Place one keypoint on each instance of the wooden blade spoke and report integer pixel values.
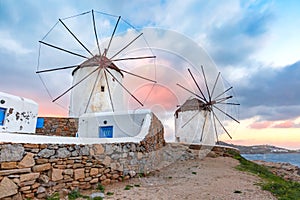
(229, 103)
(124, 87)
(95, 32)
(205, 80)
(59, 48)
(76, 37)
(223, 92)
(93, 89)
(85, 77)
(197, 86)
(203, 126)
(112, 35)
(215, 127)
(126, 46)
(66, 67)
(200, 98)
(215, 116)
(55, 69)
(190, 119)
(212, 92)
(223, 99)
(109, 92)
(133, 58)
(226, 114)
(138, 76)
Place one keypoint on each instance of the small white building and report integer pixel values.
(17, 114)
(99, 91)
(115, 124)
(189, 121)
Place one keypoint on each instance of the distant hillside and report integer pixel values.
(259, 149)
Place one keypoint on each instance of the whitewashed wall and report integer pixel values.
(21, 114)
(125, 124)
(188, 128)
(99, 101)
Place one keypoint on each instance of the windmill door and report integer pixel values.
(2, 116)
(105, 131)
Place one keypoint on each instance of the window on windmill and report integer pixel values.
(2, 116)
(102, 88)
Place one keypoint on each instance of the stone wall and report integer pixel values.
(59, 126)
(38, 170)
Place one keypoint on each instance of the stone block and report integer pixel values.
(79, 174)
(14, 171)
(29, 177)
(7, 188)
(94, 171)
(41, 168)
(9, 165)
(27, 161)
(26, 183)
(11, 152)
(24, 188)
(56, 174)
(41, 161)
(97, 149)
(68, 172)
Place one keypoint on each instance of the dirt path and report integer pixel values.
(211, 178)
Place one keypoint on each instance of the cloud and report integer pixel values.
(261, 125)
(7, 43)
(235, 40)
(271, 93)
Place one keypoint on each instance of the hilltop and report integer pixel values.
(259, 149)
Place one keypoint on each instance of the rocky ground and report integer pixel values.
(209, 178)
(285, 170)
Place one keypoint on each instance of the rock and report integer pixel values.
(68, 172)
(9, 165)
(107, 160)
(41, 190)
(42, 161)
(94, 171)
(11, 152)
(26, 183)
(95, 180)
(27, 161)
(46, 153)
(24, 188)
(132, 173)
(7, 188)
(44, 179)
(63, 153)
(105, 182)
(79, 173)
(29, 177)
(97, 194)
(14, 171)
(56, 174)
(41, 168)
(97, 149)
(84, 151)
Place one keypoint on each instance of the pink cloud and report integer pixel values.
(261, 125)
(286, 124)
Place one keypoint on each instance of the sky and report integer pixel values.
(254, 44)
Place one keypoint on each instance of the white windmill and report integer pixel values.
(97, 84)
(200, 118)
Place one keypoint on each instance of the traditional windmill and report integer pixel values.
(97, 82)
(199, 119)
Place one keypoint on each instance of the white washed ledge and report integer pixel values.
(40, 139)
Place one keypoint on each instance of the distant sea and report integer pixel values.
(292, 158)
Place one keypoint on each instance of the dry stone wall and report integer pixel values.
(37, 170)
(59, 126)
